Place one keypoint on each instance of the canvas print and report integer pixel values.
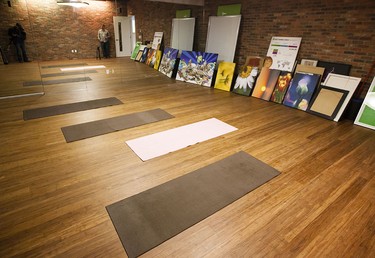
(153, 58)
(144, 55)
(245, 80)
(197, 67)
(158, 38)
(149, 56)
(168, 61)
(157, 59)
(136, 50)
(283, 52)
(366, 114)
(224, 76)
(260, 85)
(139, 56)
(265, 91)
(301, 90)
(281, 87)
(327, 102)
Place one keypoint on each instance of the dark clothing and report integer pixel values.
(17, 36)
(105, 49)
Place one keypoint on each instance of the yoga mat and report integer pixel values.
(47, 75)
(147, 219)
(59, 81)
(161, 143)
(69, 108)
(109, 125)
(64, 65)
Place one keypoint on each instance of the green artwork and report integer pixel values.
(136, 50)
(366, 114)
(230, 9)
(183, 13)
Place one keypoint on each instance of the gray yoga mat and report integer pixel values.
(58, 81)
(69, 108)
(109, 125)
(147, 219)
(47, 75)
(63, 65)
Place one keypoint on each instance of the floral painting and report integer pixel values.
(245, 80)
(301, 90)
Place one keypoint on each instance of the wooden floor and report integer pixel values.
(53, 194)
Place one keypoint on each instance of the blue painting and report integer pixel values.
(301, 90)
(197, 67)
(168, 62)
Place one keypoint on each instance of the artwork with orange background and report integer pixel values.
(261, 83)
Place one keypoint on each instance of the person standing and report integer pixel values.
(103, 37)
(18, 36)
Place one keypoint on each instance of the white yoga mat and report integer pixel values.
(158, 144)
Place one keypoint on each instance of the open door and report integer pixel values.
(124, 35)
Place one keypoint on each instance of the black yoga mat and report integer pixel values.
(47, 75)
(147, 219)
(69, 108)
(63, 65)
(109, 125)
(58, 81)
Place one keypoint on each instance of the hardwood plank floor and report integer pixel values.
(53, 194)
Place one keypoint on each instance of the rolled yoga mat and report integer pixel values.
(147, 219)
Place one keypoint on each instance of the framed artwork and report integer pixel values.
(196, 67)
(168, 61)
(336, 68)
(157, 59)
(345, 83)
(265, 91)
(245, 80)
(144, 55)
(301, 90)
(309, 62)
(136, 50)
(366, 114)
(327, 102)
(224, 76)
(281, 87)
(139, 55)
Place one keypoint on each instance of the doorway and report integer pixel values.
(124, 27)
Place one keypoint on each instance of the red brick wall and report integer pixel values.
(340, 31)
(53, 31)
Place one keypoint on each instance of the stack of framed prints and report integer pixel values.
(264, 91)
(327, 102)
(281, 87)
(168, 61)
(345, 83)
(366, 114)
(335, 68)
(224, 76)
(301, 90)
(196, 67)
(245, 80)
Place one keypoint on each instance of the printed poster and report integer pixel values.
(283, 51)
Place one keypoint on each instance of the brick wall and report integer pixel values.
(332, 30)
(53, 31)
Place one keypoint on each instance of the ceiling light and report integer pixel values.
(74, 3)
